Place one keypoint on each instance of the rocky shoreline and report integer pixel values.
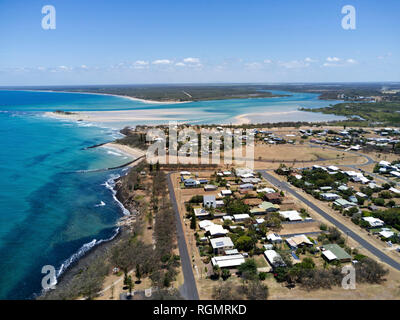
(101, 250)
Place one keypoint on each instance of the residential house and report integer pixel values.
(201, 213)
(343, 203)
(228, 261)
(190, 183)
(241, 217)
(333, 252)
(252, 201)
(216, 230)
(246, 186)
(219, 245)
(374, 222)
(209, 201)
(291, 215)
(210, 187)
(299, 241)
(274, 258)
(274, 197)
(329, 196)
(274, 238)
(268, 206)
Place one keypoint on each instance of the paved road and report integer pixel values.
(286, 187)
(189, 288)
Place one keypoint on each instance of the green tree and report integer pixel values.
(193, 222)
(244, 243)
(248, 269)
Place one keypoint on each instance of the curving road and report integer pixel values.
(286, 187)
(189, 288)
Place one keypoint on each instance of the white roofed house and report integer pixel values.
(241, 217)
(246, 186)
(228, 261)
(361, 195)
(266, 190)
(219, 203)
(274, 258)
(329, 196)
(384, 164)
(209, 201)
(216, 230)
(328, 255)
(291, 215)
(394, 190)
(395, 174)
(387, 233)
(226, 193)
(205, 223)
(374, 222)
(343, 203)
(201, 213)
(219, 245)
(244, 173)
(274, 238)
(210, 187)
(260, 221)
(333, 168)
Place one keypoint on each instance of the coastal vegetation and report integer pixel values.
(132, 139)
(67, 113)
(176, 92)
(383, 113)
(129, 253)
(201, 92)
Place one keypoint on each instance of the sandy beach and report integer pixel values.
(114, 95)
(120, 116)
(132, 152)
(247, 118)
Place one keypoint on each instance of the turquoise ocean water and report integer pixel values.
(49, 209)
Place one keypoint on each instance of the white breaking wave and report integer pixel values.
(110, 184)
(114, 153)
(82, 251)
(101, 204)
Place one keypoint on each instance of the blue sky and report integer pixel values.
(118, 42)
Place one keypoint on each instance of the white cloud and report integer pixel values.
(192, 60)
(337, 62)
(162, 61)
(308, 59)
(332, 59)
(140, 64)
(294, 64)
(267, 61)
(180, 64)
